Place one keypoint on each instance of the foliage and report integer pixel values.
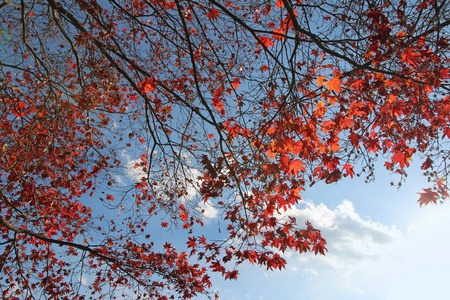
(235, 106)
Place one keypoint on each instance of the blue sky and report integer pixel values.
(381, 244)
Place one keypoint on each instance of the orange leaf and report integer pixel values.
(334, 146)
(320, 109)
(319, 80)
(280, 34)
(297, 191)
(349, 170)
(235, 83)
(334, 84)
(295, 166)
(270, 153)
(332, 100)
(266, 41)
(402, 159)
(279, 4)
(410, 57)
(148, 85)
(428, 88)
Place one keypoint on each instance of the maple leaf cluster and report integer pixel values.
(124, 119)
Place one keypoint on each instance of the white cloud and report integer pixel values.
(186, 177)
(350, 238)
(369, 260)
(192, 175)
(207, 209)
(83, 279)
(134, 170)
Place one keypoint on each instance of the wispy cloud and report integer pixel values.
(185, 177)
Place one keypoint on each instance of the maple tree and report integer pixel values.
(235, 105)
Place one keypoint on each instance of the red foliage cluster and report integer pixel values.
(119, 117)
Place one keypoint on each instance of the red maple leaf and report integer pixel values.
(267, 42)
(64, 127)
(410, 57)
(231, 274)
(218, 105)
(402, 158)
(349, 170)
(235, 83)
(428, 197)
(279, 3)
(280, 33)
(148, 85)
(295, 166)
(213, 14)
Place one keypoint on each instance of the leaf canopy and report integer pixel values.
(123, 119)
